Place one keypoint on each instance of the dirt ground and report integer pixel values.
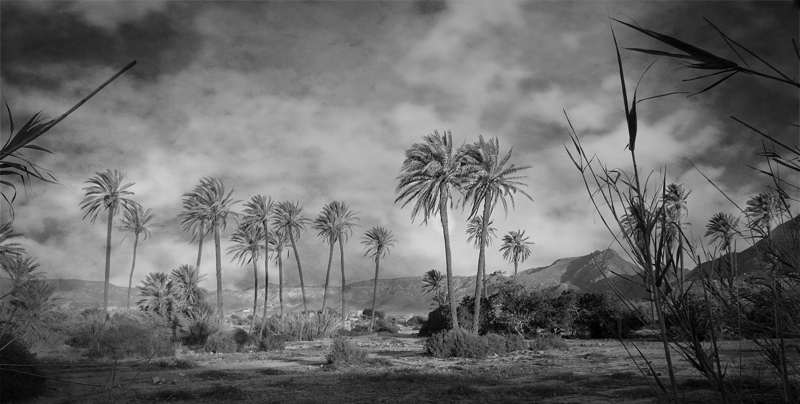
(591, 371)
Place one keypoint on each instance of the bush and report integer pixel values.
(367, 313)
(272, 342)
(301, 327)
(86, 330)
(461, 343)
(544, 342)
(221, 342)
(516, 342)
(466, 312)
(134, 334)
(385, 325)
(438, 321)
(201, 322)
(241, 338)
(343, 352)
(416, 322)
(18, 386)
(602, 315)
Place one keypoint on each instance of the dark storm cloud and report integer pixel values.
(162, 43)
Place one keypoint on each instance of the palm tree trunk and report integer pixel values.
(280, 283)
(516, 265)
(266, 277)
(300, 270)
(375, 290)
(451, 297)
(476, 320)
(341, 265)
(133, 265)
(199, 252)
(219, 272)
(328, 275)
(108, 260)
(255, 294)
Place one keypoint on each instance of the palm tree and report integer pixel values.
(474, 229)
(278, 241)
(433, 282)
(209, 201)
(515, 248)
(194, 219)
(21, 270)
(247, 248)
(106, 191)
(675, 209)
(136, 220)
(334, 223)
(156, 294)
(762, 211)
(258, 212)
(490, 181)
(377, 241)
(186, 289)
(9, 251)
(288, 220)
(721, 229)
(429, 174)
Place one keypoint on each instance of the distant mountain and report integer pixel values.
(785, 238)
(398, 296)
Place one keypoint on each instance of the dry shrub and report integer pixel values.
(221, 342)
(272, 343)
(134, 334)
(21, 379)
(544, 342)
(302, 327)
(343, 352)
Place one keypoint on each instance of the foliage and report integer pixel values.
(475, 231)
(272, 342)
(343, 352)
(124, 335)
(464, 344)
(221, 341)
(21, 380)
(367, 313)
(521, 310)
(433, 282)
(547, 341)
(186, 291)
(438, 321)
(603, 315)
(416, 321)
(301, 327)
(240, 337)
(515, 248)
(387, 325)
(487, 313)
(289, 221)
(201, 322)
(156, 294)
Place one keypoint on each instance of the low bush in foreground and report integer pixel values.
(221, 342)
(303, 327)
(20, 378)
(124, 335)
(274, 342)
(343, 352)
(544, 342)
(464, 344)
(386, 325)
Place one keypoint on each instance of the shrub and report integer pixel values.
(496, 343)
(301, 327)
(458, 343)
(201, 322)
(343, 352)
(241, 338)
(416, 322)
(86, 330)
(602, 315)
(384, 325)
(516, 342)
(367, 313)
(221, 342)
(273, 342)
(466, 314)
(544, 342)
(18, 386)
(134, 334)
(438, 321)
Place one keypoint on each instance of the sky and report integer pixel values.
(317, 101)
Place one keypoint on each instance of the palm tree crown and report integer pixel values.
(489, 178)
(247, 243)
(515, 248)
(475, 229)
(722, 228)
(186, 287)
(156, 294)
(106, 192)
(137, 221)
(335, 223)
(377, 242)
(9, 250)
(762, 211)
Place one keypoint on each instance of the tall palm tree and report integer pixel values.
(194, 219)
(186, 288)
(675, 208)
(474, 229)
(433, 283)
(335, 223)
(429, 174)
(247, 248)
(137, 221)
(377, 241)
(721, 230)
(490, 181)
(106, 192)
(515, 248)
(289, 220)
(156, 294)
(762, 211)
(210, 202)
(258, 212)
(278, 241)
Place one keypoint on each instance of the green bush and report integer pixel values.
(386, 325)
(201, 322)
(602, 315)
(221, 342)
(367, 313)
(438, 321)
(301, 327)
(357, 330)
(134, 334)
(515, 342)
(240, 337)
(466, 311)
(86, 329)
(15, 385)
(461, 343)
(544, 342)
(416, 322)
(496, 343)
(343, 352)
(272, 342)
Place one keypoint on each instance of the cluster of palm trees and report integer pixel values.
(433, 171)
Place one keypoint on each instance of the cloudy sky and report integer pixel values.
(317, 101)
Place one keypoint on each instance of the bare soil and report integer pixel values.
(591, 371)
